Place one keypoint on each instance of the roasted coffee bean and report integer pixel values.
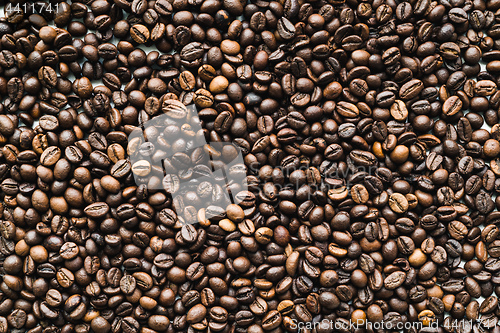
(398, 203)
(452, 106)
(399, 111)
(363, 158)
(47, 76)
(411, 89)
(120, 169)
(139, 33)
(96, 210)
(348, 110)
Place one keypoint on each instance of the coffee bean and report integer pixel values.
(119, 170)
(394, 280)
(129, 325)
(485, 88)
(452, 106)
(50, 156)
(47, 76)
(141, 168)
(97, 210)
(433, 161)
(139, 33)
(73, 154)
(271, 320)
(411, 89)
(223, 122)
(347, 110)
(399, 110)
(363, 158)
(187, 80)
(163, 7)
(69, 250)
(359, 194)
(127, 284)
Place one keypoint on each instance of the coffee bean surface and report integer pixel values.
(249, 166)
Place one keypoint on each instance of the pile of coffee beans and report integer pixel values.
(370, 138)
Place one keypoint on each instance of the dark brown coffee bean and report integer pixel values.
(363, 158)
(47, 76)
(97, 210)
(50, 156)
(121, 169)
(399, 110)
(139, 33)
(452, 106)
(394, 280)
(411, 89)
(127, 284)
(347, 110)
(285, 28)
